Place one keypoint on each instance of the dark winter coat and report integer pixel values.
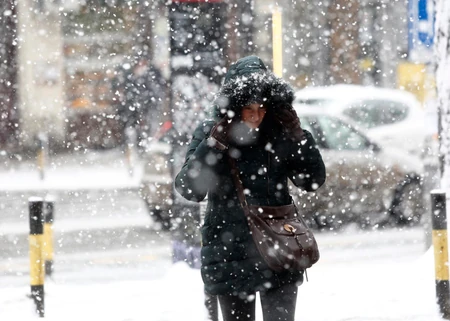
(139, 97)
(231, 263)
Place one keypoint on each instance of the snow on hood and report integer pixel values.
(249, 81)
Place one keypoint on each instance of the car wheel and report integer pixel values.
(408, 204)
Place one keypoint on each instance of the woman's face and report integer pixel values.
(252, 115)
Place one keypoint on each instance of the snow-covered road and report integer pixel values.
(111, 264)
(362, 275)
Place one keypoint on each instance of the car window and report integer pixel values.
(339, 135)
(310, 124)
(373, 113)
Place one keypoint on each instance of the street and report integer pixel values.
(141, 252)
(108, 252)
(119, 267)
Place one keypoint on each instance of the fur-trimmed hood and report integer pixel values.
(247, 81)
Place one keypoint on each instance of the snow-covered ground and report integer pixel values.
(401, 291)
(370, 288)
(76, 171)
(366, 276)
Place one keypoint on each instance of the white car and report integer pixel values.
(367, 182)
(393, 117)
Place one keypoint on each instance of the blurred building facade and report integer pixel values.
(9, 120)
(40, 73)
(31, 73)
(118, 35)
(92, 55)
(74, 52)
(341, 41)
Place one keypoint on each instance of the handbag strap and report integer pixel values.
(237, 182)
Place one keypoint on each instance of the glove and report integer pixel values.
(218, 137)
(288, 118)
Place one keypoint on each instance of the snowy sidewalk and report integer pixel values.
(398, 291)
(89, 189)
(76, 171)
(376, 289)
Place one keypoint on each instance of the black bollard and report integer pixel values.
(36, 212)
(440, 244)
(48, 237)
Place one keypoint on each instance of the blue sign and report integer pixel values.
(421, 29)
(426, 23)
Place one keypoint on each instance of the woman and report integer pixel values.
(257, 126)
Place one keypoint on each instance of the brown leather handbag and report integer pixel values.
(281, 235)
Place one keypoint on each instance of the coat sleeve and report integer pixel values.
(199, 172)
(305, 165)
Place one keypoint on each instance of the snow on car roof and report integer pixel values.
(353, 92)
(303, 110)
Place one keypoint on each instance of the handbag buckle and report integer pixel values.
(289, 228)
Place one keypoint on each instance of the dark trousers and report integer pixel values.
(277, 305)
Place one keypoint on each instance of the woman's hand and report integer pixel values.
(288, 118)
(219, 134)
